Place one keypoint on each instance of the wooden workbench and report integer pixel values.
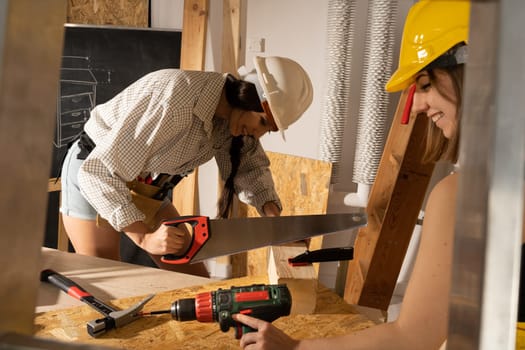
(113, 281)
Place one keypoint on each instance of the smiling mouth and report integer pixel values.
(437, 117)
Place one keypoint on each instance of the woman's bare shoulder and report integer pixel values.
(445, 191)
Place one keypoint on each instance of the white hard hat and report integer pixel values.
(284, 85)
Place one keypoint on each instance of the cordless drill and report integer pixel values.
(265, 302)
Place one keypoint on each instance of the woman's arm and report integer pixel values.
(163, 239)
(254, 182)
(271, 209)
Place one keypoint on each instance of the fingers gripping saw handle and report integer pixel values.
(200, 234)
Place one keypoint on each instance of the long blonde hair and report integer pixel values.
(437, 146)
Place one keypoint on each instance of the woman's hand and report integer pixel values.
(267, 336)
(271, 209)
(166, 240)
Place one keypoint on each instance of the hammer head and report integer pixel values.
(116, 319)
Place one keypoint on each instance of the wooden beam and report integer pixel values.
(55, 185)
(231, 38)
(394, 205)
(301, 280)
(31, 35)
(230, 57)
(194, 24)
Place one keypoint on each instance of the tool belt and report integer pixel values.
(86, 145)
(148, 198)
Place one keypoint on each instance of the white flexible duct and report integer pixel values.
(374, 100)
(340, 31)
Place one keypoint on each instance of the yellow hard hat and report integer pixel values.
(432, 27)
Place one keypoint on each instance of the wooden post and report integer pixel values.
(54, 185)
(31, 33)
(301, 280)
(394, 204)
(230, 62)
(194, 25)
(231, 38)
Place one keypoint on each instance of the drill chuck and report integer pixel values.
(199, 308)
(183, 310)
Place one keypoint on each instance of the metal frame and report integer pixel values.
(487, 247)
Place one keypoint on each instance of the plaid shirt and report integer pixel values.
(164, 123)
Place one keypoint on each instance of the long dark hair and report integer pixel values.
(240, 94)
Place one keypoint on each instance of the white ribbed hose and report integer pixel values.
(371, 127)
(340, 32)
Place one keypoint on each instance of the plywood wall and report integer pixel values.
(131, 13)
(303, 186)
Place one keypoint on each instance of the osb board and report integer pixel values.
(302, 185)
(131, 13)
(333, 317)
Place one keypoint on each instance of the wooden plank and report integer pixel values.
(186, 194)
(395, 200)
(230, 57)
(332, 317)
(62, 238)
(30, 61)
(194, 24)
(231, 38)
(301, 280)
(55, 185)
(303, 185)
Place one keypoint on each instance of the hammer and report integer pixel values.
(112, 318)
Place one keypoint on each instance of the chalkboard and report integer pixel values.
(97, 63)
(100, 61)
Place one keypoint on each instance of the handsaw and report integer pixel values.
(214, 238)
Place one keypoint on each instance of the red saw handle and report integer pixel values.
(200, 234)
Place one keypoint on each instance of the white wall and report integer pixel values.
(167, 14)
(295, 29)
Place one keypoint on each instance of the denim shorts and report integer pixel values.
(73, 202)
